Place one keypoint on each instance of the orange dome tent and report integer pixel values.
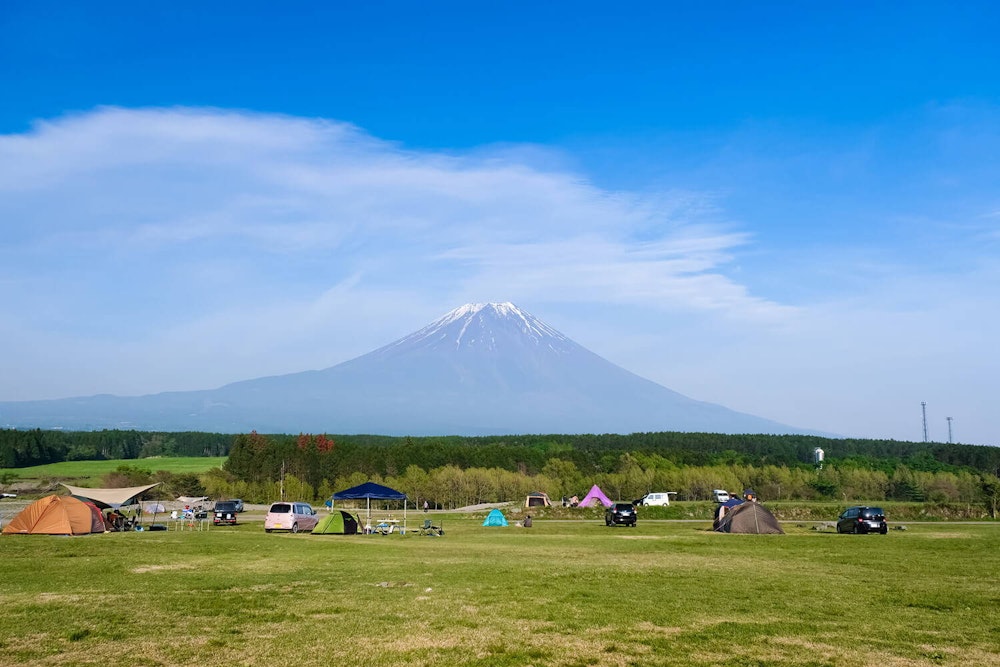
(56, 515)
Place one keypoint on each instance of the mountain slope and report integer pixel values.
(480, 369)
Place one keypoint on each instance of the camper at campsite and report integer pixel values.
(722, 509)
(527, 521)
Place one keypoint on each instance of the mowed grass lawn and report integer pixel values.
(568, 593)
(93, 470)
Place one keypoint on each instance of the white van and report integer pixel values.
(653, 499)
(720, 495)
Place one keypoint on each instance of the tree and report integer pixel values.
(991, 494)
(566, 476)
(126, 475)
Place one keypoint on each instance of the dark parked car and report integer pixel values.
(623, 513)
(862, 519)
(225, 513)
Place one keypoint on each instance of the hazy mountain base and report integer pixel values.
(482, 369)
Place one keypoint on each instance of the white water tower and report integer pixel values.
(818, 457)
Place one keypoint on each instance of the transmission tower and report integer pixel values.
(949, 429)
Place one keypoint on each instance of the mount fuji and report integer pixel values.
(482, 369)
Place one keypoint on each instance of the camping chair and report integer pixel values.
(430, 529)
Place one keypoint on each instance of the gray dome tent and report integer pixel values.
(749, 518)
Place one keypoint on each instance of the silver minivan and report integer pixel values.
(293, 517)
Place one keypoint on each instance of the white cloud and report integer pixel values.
(143, 229)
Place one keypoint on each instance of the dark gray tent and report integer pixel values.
(749, 518)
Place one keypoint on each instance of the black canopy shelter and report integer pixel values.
(371, 491)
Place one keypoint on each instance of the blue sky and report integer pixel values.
(792, 210)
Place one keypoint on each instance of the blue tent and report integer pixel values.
(495, 518)
(371, 491)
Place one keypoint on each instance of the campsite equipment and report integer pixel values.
(195, 506)
(371, 491)
(430, 529)
(154, 509)
(57, 515)
(495, 518)
(595, 495)
(338, 522)
(110, 498)
(749, 518)
(537, 499)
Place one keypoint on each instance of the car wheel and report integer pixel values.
(295, 527)
(855, 530)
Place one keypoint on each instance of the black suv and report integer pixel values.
(862, 519)
(620, 513)
(225, 512)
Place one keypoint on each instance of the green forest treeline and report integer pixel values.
(458, 471)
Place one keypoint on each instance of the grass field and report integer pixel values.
(83, 470)
(567, 593)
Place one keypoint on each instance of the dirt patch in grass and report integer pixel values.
(143, 569)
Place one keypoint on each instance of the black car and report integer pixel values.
(225, 513)
(862, 519)
(620, 513)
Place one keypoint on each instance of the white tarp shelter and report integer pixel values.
(110, 497)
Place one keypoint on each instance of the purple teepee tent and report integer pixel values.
(595, 494)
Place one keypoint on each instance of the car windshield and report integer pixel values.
(225, 507)
(281, 508)
(872, 512)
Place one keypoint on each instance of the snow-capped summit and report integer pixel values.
(485, 326)
(483, 368)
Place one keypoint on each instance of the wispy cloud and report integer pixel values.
(152, 229)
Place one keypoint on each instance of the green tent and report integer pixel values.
(338, 522)
(495, 518)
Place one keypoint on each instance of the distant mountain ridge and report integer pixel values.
(481, 369)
